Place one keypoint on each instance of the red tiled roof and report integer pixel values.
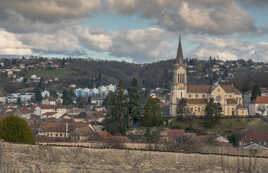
(49, 113)
(230, 89)
(104, 135)
(231, 101)
(197, 101)
(59, 126)
(262, 100)
(25, 110)
(264, 90)
(173, 133)
(64, 107)
(255, 136)
(47, 107)
(55, 107)
(198, 88)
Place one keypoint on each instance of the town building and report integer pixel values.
(197, 96)
(260, 106)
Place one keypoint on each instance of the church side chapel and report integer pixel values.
(196, 97)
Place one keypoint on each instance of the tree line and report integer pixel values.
(125, 109)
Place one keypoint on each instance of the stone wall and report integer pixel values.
(15, 158)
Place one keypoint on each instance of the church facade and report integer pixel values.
(197, 96)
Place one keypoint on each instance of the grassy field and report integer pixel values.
(222, 126)
(59, 73)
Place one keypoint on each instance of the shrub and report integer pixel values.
(15, 129)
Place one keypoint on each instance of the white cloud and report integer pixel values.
(60, 42)
(10, 45)
(228, 49)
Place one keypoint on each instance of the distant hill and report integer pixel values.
(93, 73)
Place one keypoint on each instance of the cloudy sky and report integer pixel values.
(138, 31)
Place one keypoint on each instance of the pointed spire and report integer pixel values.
(179, 58)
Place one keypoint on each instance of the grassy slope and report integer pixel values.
(224, 125)
(59, 73)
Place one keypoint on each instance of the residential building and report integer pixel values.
(260, 106)
(264, 91)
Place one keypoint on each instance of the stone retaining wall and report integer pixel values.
(15, 158)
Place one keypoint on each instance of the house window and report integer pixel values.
(218, 98)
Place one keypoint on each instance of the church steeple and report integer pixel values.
(179, 58)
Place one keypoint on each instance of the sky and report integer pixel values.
(138, 31)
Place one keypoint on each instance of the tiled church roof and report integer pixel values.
(198, 88)
(197, 101)
(207, 89)
(230, 89)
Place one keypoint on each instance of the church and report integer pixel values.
(197, 96)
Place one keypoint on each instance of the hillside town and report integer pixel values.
(77, 114)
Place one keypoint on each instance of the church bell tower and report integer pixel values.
(179, 85)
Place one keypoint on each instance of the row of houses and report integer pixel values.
(100, 91)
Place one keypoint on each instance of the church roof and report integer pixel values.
(230, 89)
(197, 101)
(198, 88)
(179, 58)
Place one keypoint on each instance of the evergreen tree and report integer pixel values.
(117, 117)
(134, 106)
(212, 110)
(152, 113)
(41, 84)
(15, 129)
(181, 107)
(38, 95)
(255, 92)
(67, 99)
(19, 101)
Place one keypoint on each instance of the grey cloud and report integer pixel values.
(50, 11)
(140, 45)
(16, 23)
(195, 16)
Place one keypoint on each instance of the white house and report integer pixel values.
(45, 93)
(3, 99)
(261, 105)
(51, 111)
(264, 91)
